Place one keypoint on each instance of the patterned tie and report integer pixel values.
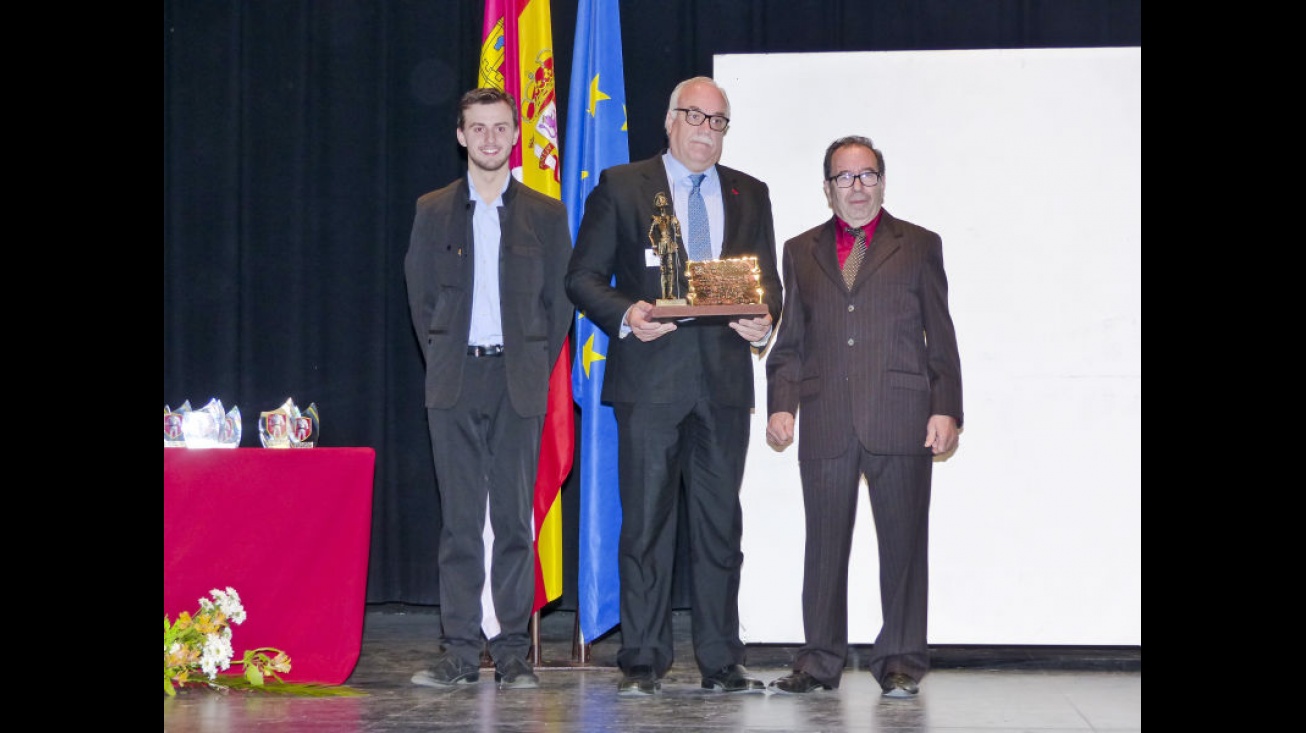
(700, 237)
(854, 259)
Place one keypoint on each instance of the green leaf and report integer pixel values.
(297, 689)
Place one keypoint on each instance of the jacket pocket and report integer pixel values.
(810, 386)
(446, 305)
(908, 380)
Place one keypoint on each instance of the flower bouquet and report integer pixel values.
(202, 643)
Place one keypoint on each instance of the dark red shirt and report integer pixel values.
(844, 241)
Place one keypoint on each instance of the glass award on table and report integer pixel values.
(725, 287)
(288, 426)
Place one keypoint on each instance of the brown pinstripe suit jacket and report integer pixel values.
(872, 363)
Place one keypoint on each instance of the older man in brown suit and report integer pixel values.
(866, 348)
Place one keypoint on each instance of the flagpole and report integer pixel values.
(580, 651)
(537, 655)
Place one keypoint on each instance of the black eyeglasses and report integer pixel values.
(845, 180)
(695, 117)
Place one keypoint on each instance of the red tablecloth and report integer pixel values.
(290, 531)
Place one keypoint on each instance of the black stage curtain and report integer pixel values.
(297, 135)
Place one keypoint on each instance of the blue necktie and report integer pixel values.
(700, 237)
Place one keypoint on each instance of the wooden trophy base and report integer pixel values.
(684, 310)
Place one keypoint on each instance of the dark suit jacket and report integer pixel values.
(612, 242)
(875, 362)
(536, 314)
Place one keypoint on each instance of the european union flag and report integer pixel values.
(596, 139)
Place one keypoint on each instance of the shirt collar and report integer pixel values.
(868, 227)
(471, 190)
(678, 173)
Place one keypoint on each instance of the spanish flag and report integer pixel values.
(517, 57)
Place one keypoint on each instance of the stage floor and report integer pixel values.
(970, 690)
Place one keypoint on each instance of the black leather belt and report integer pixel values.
(479, 351)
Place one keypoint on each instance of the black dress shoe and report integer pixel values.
(897, 684)
(798, 683)
(639, 680)
(733, 678)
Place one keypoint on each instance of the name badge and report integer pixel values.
(651, 258)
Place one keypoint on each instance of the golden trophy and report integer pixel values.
(725, 287)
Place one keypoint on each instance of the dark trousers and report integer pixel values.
(483, 448)
(899, 490)
(704, 445)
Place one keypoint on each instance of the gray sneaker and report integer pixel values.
(516, 674)
(447, 671)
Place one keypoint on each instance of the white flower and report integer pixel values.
(229, 603)
(217, 653)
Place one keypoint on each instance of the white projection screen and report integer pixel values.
(1028, 164)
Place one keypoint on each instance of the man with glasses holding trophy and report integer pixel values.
(681, 387)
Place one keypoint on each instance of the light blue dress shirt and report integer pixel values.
(487, 320)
